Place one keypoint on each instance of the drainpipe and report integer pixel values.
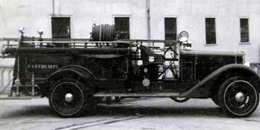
(148, 19)
(53, 7)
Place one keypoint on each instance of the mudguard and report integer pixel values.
(70, 71)
(218, 72)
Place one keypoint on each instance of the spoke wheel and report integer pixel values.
(238, 97)
(67, 98)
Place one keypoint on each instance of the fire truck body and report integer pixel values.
(75, 75)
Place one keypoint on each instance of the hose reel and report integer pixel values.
(103, 32)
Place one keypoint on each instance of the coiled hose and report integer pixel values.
(103, 32)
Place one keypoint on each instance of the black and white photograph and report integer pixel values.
(129, 64)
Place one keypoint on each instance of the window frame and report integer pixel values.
(210, 31)
(247, 30)
(176, 28)
(52, 29)
(129, 26)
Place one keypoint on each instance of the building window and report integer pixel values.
(210, 31)
(170, 27)
(122, 27)
(244, 30)
(60, 27)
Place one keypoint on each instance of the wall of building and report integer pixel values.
(190, 14)
(36, 14)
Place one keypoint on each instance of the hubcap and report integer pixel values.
(240, 97)
(68, 97)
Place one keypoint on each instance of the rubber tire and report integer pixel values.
(221, 97)
(80, 87)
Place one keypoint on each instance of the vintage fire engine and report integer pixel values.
(75, 74)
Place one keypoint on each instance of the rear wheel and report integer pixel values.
(68, 97)
(238, 97)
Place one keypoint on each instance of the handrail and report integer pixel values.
(82, 39)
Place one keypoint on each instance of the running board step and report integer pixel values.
(162, 94)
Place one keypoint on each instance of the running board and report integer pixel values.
(162, 94)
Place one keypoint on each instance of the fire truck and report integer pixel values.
(76, 74)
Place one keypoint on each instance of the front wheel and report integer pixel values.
(67, 98)
(238, 97)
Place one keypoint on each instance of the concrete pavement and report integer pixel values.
(140, 114)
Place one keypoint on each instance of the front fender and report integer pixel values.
(237, 67)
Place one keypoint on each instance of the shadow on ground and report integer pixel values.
(118, 110)
(160, 111)
(29, 111)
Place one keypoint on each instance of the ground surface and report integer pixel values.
(141, 114)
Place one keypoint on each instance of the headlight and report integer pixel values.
(183, 36)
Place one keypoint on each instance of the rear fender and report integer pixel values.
(72, 71)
